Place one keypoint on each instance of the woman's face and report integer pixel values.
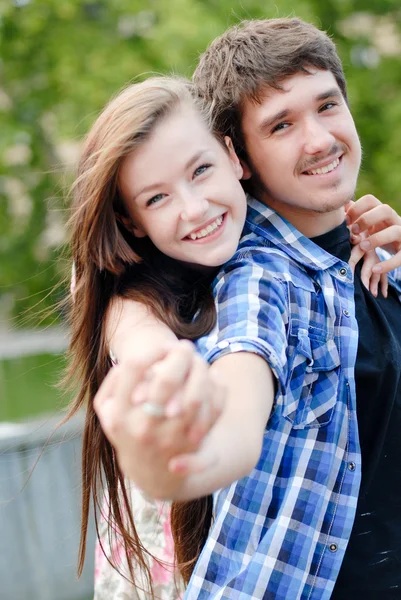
(181, 188)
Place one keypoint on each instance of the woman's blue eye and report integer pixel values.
(201, 170)
(154, 199)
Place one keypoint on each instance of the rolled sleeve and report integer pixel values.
(251, 304)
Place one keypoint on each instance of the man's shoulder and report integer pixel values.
(258, 257)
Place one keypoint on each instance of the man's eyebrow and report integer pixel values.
(283, 114)
(270, 120)
(331, 93)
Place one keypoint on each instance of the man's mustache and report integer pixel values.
(336, 150)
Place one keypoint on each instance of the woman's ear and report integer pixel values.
(233, 157)
(246, 171)
(136, 230)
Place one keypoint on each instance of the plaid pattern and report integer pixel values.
(281, 532)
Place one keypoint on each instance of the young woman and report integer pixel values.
(192, 226)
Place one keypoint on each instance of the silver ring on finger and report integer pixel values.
(153, 410)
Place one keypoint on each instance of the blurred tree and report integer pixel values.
(61, 61)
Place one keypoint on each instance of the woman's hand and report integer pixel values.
(372, 225)
(157, 409)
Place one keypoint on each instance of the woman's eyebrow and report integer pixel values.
(190, 162)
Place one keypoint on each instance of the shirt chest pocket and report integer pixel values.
(313, 383)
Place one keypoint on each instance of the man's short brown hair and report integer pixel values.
(255, 55)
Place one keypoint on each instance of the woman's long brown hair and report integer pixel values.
(110, 262)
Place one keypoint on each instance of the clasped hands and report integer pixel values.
(156, 412)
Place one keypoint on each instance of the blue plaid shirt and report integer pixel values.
(281, 532)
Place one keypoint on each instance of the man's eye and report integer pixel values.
(155, 199)
(327, 106)
(280, 126)
(201, 170)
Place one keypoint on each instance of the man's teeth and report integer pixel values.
(327, 169)
(208, 230)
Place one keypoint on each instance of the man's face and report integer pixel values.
(304, 151)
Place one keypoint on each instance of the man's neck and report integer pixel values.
(309, 223)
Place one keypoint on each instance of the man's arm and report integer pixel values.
(148, 454)
(233, 446)
(250, 335)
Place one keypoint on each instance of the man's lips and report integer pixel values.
(323, 167)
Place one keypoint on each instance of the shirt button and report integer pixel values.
(343, 271)
(351, 466)
(333, 547)
(346, 312)
(223, 344)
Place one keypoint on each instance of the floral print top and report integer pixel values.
(152, 522)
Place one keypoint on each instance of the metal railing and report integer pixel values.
(40, 512)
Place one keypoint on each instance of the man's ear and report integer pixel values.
(136, 230)
(233, 157)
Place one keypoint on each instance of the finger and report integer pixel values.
(360, 206)
(347, 208)
(391, 236)
(215, 406)
(106, 389)
(388, 265)
(199, 398)
(108, 420)
(191, 464)
(356, 254)
(384, 285)
(119, 386)
(198, 386)
(130, 375)
(369, 279)
(374, 284)
(376, 219)
(169, 376)
(111, 403)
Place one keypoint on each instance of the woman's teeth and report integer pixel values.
(207, 231)
(327, 169)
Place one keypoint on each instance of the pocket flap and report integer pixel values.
(325, 356)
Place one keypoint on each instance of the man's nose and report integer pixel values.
(317, 137)
(194, 206)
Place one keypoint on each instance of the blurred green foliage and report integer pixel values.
(62, 59)
(28, 386)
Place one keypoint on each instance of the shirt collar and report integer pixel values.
(268, 224)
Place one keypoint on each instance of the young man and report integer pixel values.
(286, 109)
(301, 524)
